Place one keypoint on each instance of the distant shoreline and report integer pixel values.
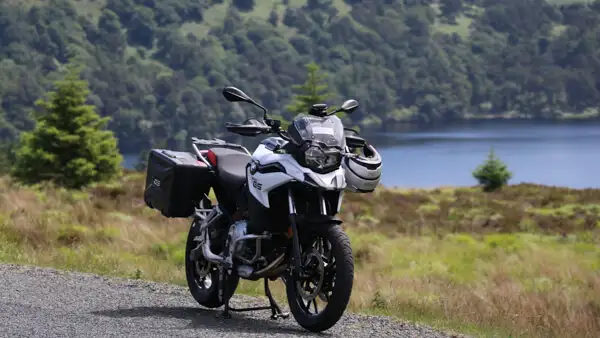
(407, 125)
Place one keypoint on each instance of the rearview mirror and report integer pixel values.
(233, 94)
(349, 106)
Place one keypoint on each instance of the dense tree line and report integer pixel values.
(156, 67)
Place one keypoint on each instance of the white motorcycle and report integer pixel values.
(275, 211)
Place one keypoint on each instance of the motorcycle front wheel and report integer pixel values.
(319, 301)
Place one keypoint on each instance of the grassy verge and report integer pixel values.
(523, 262)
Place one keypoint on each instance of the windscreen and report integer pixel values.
(328, 131)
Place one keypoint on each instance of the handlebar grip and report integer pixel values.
(247, 129)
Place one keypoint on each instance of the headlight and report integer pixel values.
(317, 159)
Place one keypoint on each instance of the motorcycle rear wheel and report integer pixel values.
(206, 294)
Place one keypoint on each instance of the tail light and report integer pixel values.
(212, 158)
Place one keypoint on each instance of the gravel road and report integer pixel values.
(39, 302)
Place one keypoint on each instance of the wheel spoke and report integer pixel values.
(318, 287)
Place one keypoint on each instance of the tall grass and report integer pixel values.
(522, 261)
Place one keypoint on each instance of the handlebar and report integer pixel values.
(276, 128)
(253, 127)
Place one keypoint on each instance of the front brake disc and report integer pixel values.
(312, 257)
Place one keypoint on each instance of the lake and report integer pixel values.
(561, 154)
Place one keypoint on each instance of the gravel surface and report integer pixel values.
(40, 302)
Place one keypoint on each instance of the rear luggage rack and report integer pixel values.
(215, 143)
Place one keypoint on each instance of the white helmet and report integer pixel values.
(363, 172)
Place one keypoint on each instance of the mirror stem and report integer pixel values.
(261, 107)
(337, 110)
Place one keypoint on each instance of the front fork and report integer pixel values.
(297, 269)
(296, 257)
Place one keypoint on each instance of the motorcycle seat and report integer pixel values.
(231, 167)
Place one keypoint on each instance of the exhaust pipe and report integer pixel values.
(275, 267)
(209, 222)
(208, 254)
(266, 271)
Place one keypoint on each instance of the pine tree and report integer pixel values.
(314, 90)
(493, 173)
(69, 144)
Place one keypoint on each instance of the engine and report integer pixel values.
(236, 231)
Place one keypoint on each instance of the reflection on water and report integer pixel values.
(547, 153)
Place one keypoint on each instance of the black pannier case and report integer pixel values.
(175, 182)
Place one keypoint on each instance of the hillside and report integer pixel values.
(156, 67)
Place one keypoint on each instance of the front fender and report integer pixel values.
(317, 221)
(308, 226)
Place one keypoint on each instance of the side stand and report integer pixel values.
(276, 312)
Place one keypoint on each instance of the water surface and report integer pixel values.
(544, 153)
(562, 154)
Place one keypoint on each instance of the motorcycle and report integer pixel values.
(275, 215)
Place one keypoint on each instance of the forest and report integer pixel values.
(157, 67)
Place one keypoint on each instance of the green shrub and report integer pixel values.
(69, 144)
(493, 173)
